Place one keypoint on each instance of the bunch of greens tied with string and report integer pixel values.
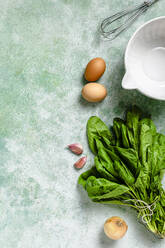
(129, 165)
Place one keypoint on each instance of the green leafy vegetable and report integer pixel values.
(129, 166)
(97, 130)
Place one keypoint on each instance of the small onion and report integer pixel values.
(115, 228)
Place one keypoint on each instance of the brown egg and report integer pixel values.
(95, 69)
(94, 92)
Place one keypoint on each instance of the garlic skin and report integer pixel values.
(115, 228)
(81, 162)
(76, 148)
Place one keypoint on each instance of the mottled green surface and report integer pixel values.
(44, 48)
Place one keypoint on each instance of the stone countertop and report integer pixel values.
(44, 48)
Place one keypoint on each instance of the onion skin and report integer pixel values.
(115, 228)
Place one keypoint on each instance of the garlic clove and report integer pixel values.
(81, 162)
(76, 148)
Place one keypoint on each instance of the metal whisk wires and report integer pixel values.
(134, 13)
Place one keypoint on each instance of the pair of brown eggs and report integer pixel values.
(94, 92)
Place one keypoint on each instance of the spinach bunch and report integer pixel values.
(129, 165)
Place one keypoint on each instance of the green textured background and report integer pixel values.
(44, 48)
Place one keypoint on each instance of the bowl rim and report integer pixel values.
(128, 47)
(134, 34)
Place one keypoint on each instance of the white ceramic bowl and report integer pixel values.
(145, 60)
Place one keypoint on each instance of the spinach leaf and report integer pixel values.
(84, 176)
(132, 121)
(158, 158)
(125, 139)
(143, 180)
(106, 161)
(117, 126)
(96, 129)
(130, 158)
(124, 173)
(101, 168)
(146, 133)
(100, 188)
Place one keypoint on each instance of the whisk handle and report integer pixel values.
(150, 2)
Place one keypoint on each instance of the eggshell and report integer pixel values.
(95, 69)
(94, 92)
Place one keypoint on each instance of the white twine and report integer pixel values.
(150, 207)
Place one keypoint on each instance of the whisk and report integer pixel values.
(134, 13)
